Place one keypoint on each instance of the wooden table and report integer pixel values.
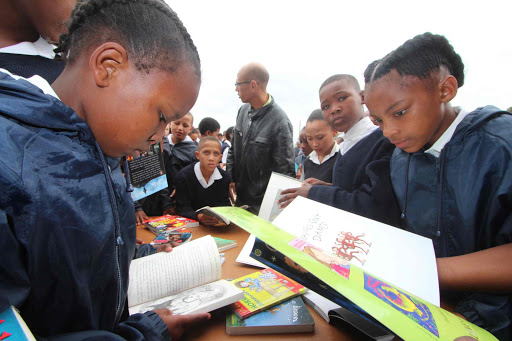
(215, 328)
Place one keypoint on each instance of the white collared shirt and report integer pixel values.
(169, 137)
(215, 176)
(355, 134)
(436, 148)
(313, 156)
(38, 48)
(38, 81)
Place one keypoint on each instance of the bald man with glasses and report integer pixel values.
(262, 140)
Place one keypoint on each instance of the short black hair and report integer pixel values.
(316, 115)
(229, 133)
(418, 57)
(206, 139)
(208, 124)
(351, 79)
(149, 30)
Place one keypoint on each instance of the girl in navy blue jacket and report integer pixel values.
(67, 223)
(451, 172)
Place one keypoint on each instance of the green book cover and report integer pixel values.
(408, 316)
(224, 244)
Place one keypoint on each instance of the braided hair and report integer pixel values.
(418, 57)
(149, 30)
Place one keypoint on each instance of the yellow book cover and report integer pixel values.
(264, 289)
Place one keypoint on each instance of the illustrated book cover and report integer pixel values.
(146, 172)
(174, 235)
(186, 280)
(264, 289)
(159, 224)
(12, 326)
(401, 311)
(291, 316)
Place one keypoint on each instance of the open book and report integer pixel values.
(186, 280)
(207, 210)
(359, 290)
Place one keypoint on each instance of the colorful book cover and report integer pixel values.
(174, 235)
(264, 289)
(408, 316)
(146, 172)
(291, 316)
(224, 244)
(12, 326)
(160, 224)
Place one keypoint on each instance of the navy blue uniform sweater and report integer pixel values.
(191, 195)
(361, 181)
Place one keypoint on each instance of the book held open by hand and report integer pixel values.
(186, 280)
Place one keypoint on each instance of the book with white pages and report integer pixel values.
(269, 209)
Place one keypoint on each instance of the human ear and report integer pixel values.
(448, 87)
(197, 154)
(361, 94)
(106, 60)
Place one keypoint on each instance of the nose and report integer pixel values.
(389, 130)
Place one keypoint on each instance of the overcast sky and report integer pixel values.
(303, 42)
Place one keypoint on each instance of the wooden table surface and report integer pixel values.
(215, 328)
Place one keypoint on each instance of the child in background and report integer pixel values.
(194, 135)
(451, 172)
(361, 183)
(67, 223)
(203, 183)
(320, 135)
(182, 152)
(305, 150)
(226, 145)
(209, 127)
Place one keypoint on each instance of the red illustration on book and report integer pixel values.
(4, 335)
(347, 246)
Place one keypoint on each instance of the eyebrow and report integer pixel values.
(392, 106)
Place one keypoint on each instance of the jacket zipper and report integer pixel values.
(440, 227)
(119, 240)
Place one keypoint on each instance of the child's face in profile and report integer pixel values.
(193, 136)
(132, 112)
(320, 137)
(209, 155)
(304, 146)
(180, 128)
(167, 130)
(407, 110)
(341, 104)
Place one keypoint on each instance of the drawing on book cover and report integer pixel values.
(186, 301)
(336, 263)
(175, 236)
(266, 281)
(407, 305)
(350, 247)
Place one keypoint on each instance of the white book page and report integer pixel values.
(398, 257)
(201, 299)
(161, 274)
(245, 255)
(321, 304)
(269, 209)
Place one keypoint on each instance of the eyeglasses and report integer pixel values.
(240, 83)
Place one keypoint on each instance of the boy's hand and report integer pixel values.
(178, 324)
(299, 172)
(207, 220)
(316, 182)
(140, 216)
(289, 194)
(165, 248)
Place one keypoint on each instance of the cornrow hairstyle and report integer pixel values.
(208, 123)
(418, 57)
(316, 115)
(149, 30)
(335, 78)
